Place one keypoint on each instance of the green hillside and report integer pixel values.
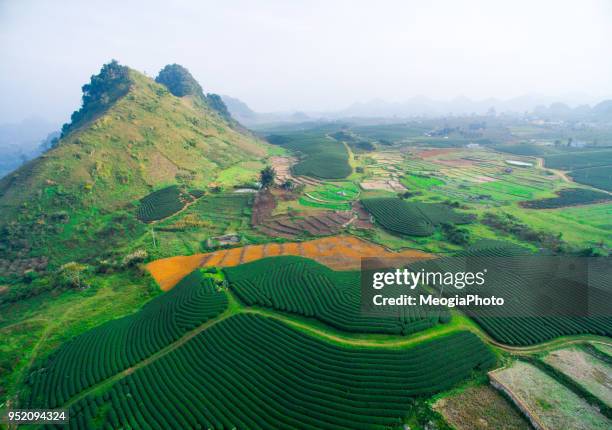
(131, 137)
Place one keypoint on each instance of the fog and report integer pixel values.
(309, 55)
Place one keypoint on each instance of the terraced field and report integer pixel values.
(325, 223)
(336, 196)
(257, 373)
(519, 276)
(320, 156)
(119, 344)
(409, 218)
(161, 204)
(305, 287)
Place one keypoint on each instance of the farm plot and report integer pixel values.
(568, 197)
(480, 408)
(305, 287)
(321, 157)
(546, 401)
(383, 172)
(579, 160)
(336, 196)
(598, 177)
(421, 181)
(339, 253)
(162, 203)
(592, 374)
(211, 215)
(411, 218)
(251, 372)
(119, 344)
(519, 276)
(324, 224)
(282, 166)
(472, 174)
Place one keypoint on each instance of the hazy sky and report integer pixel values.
(308, 55)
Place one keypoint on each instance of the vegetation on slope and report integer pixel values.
(304, 287)
(119, 344)
(77, 200)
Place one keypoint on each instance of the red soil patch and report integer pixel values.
(428, 153)
(338, 252)
(459, 162)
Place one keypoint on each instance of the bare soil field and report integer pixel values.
(319, 223)
(545, 401)
(429, 153)
(282, 166)
(324, 223)
(382, 184)
(339, 253)
(457, 162)
(593, 374)
(480, 408)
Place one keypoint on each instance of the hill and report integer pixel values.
(131, 136)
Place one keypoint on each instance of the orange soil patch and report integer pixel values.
(231, 258)
(168, 271)
(338, 252)
(271, 250)
(253, 252)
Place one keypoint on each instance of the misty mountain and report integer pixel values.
(22, 141)
(546, 108)
(242, 113)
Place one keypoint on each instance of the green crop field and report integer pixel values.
(320, 156)
(251, 372)
(598, 177)
(412, 219)
(420, 181)
(121, 343)
(161, 204)
(517, 275)
(569, 197)
(579, 160)
(305, 287)
(331, 195)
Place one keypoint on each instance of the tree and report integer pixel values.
(112, 83)
(71, 274)
(288, 185)
(267, 176)
(179, 81)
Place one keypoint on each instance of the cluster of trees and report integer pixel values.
(510, 224)
(112, 83)
(180, 82)
(456, 235)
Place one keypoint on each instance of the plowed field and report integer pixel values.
(339, 253)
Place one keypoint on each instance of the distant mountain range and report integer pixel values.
(22, 141)
(420, 106)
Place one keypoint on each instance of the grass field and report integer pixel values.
(593, 374)
(480, 408)
(331, 195)
(547, 400)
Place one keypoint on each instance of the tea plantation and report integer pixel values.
(251, 372)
